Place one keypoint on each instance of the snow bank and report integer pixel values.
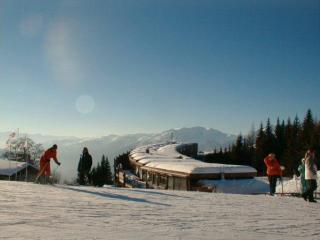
(239, 186)
(294, 185)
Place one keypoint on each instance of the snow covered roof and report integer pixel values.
(8, 168)
(167, 157)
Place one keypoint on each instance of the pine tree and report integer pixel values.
(288, 157)
(317, 141)
(108, 173)
(270, 141)
(308, 131)
(102, 175)
(296, 144)
(280, 141)
(260, 151)
(288, 141)
(240, 153)
(236, 152)
(251, 138)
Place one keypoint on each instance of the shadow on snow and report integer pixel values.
(149, 191)
(114, 196)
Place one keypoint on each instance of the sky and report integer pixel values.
(92, 68)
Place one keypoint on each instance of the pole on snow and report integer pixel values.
(281, 179)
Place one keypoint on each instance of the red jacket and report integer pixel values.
(273, 166)
(50, 153)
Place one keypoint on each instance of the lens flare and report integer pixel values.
(85, 104)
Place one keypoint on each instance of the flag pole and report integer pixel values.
(9, 160)
(15, 150)
(11, 136)
(25, 158)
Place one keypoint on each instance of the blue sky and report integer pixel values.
(91, 68)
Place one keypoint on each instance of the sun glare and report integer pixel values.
(85, 104)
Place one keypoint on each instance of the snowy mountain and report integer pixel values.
(33, 211)
(70, 148)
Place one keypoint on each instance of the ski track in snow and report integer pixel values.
(32, 211)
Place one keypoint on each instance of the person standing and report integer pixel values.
(301, 170)
(45, 170)
(273, 171)
(84, 166)
(310, 175)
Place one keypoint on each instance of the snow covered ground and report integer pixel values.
(32, 211)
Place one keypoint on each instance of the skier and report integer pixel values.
(45, 170)
(273, 171)
(84, 167)
(301, 170)
(310, 175)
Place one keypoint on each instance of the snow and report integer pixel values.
(293, 185)
(32, 211)
(256, 185)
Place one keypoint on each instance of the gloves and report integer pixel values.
(59, 163)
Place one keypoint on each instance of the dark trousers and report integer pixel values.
(273, 183)
(311, 187)
(84, 177)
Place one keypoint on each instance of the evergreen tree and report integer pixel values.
(250, 146)
(317, 142)
(260, 151)
(251, 138)
(296, 143)
(102, 175)
(280, 138)
(288, 141)
(236, 152)
(240, 153)
(308, 130)
(108, 173)
(270, 141)
(289, 150)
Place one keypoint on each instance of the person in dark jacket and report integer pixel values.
(84, 167)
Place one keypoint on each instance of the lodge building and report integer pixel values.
(174, 166)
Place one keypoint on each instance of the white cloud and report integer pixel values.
(31, 26)
(61, 53)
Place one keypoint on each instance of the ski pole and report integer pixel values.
(295, 179)
(281, 178)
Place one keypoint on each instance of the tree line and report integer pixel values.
(289, 140)
(100, 174)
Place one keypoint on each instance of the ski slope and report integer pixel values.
(32, 211)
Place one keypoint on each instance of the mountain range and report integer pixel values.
(70, 148)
